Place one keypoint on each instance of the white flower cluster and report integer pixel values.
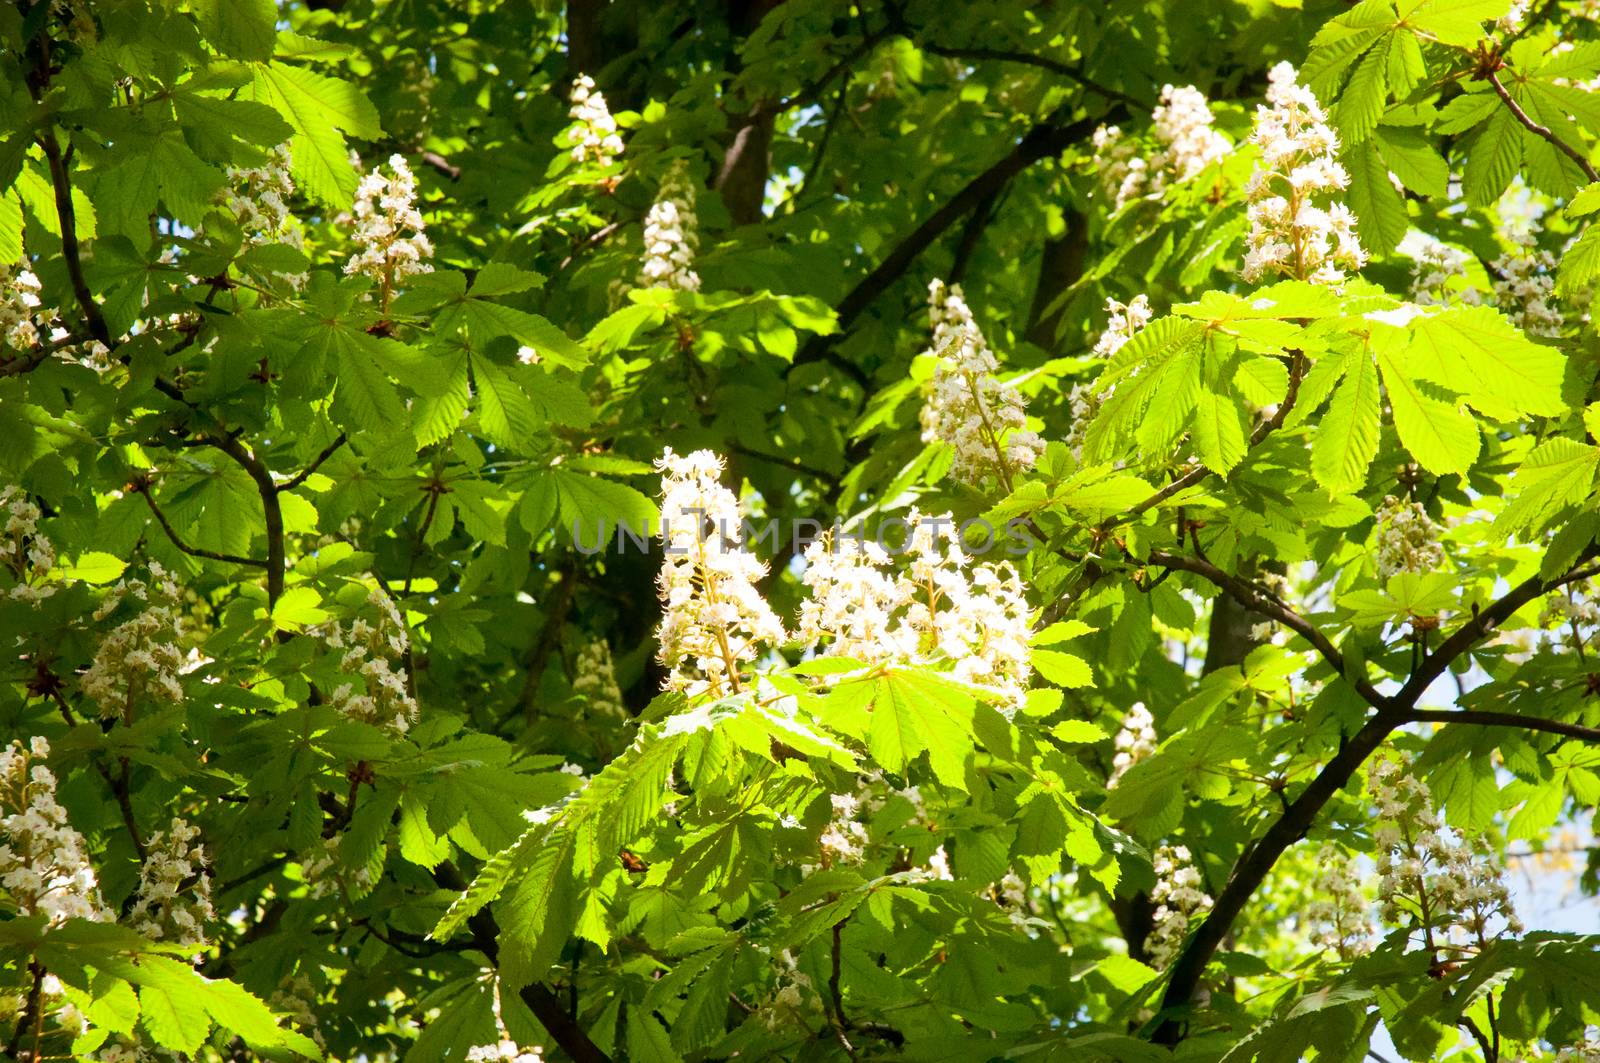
(1408, 539)
(594, 679)
(984, 420)
(44, 864)
(844, 840)
(507, 1051)
(1439, 884)
(596, 137)
(259, 197)
(28, 555)
(1013, 895)
(1574, 614)
(1123, 322)
(1525, 289)
(117, 1051)
(140, 658)
(296, 998)
(1515, 16)
(385, 210)
(1182, 126)
(377, 692)
(326, 874)
(173, 901)
(1340, 915)
(939, 607)
(1135, 741)
(793, 999)
(671, 236)
(1289, 234)
(1179, 896)
(1587, 1052)
(1438, 273)
(19, 306)
(714, 620)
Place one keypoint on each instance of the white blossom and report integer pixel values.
(595, 137)
(44, 863)
(1408, 539)
(26, 554)
(671, 236)
(1440, 885)
(1180, 897)
(1438, 276)
(844, 840)
(21, 322)
(965, 405)
(1135, 741)
(929, 604)
(1573, 612)
(505, 1050)
(1290, 235)
(375, 691)
(259, 198)
(1340, 915)
(173, 900)
(714, 620)
(793, 1000)
(140, 660)
(296, 998)
(1182, 124)
(594, 679)
(389, 228)
(1525, 288)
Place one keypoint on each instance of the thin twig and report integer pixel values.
(316, 463)
(143, 488)
(1538, 130)
(1505, 719)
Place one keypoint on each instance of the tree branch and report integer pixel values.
(1045, 140)
(1538, 130)
(1505, 719)
(1269, 606)
(316, 463)
(143, 488)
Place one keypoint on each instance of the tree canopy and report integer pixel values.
(796, 529)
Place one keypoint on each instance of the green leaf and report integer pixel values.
(1580, 265)
(318, 107)
(1346, 440)
(1361, 103)
(95, 567)
(916, 712)
(1414, 160)
(1442, 437)
(1063, 669)
(1476, 351)
(1379, 210)
(299, 607)
(1219, 433)
(245, 29)
(1492, 159)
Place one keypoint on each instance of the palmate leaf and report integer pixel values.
(1475, 351)
(916, 711)
(320, 109)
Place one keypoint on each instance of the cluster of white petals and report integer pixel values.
(376, 692)
(1135, 740)
(671, 236)
(1587, 1052)
(296, 998)
(259, 197)
(965, 405)
(1438, 276)
(507, 1051)
(140, 660)
(793, 1001)
(326, 874)
(25, 553)
(1574, 614)
(714, 620)
(173, 901)
(1436, 883)
(20, 322)
(1179, 896)
(1182, 124)
(1525, 289)
(1290, 235)
(595, 138)
(594, 678)
(1340, 916)
(1408, 539)
(929, 603)
(389, 228)
(844, 839)
(1123, 322)
(1013, 895)
(44, 864)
